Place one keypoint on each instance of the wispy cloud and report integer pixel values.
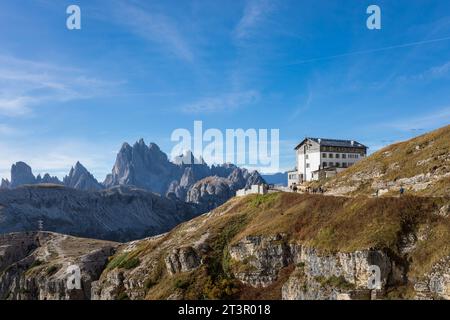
(255, 13)
(428, 121)
(224, 102)
(6, 130)
(25, 84)
(371, 51)
(155, 27)
(432, 73)
(304, 106)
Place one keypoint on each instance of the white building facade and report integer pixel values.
(317, 158)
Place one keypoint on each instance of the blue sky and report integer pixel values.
(144, 68)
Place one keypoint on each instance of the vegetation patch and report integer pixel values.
(335, 282)
(124, 260)
(53, 269)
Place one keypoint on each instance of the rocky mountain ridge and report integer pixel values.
(420, 165)
(120, 213)
(147, 167)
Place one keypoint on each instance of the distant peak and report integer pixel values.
(153, 145)
(125, 145)
(21, 164)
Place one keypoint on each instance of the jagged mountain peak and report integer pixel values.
(21, 174)
(80, 178)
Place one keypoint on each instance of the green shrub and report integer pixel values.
(36, 263)
(52, 270)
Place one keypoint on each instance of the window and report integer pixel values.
(324, 155)
(307, 165)
(344, 164)
(344, 156)
(337, 156)
(307, 157)
(324, 165)
(331, 164)
(337, 164)
(330, 156)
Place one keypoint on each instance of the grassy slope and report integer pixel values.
(428, 153)
(325, 222)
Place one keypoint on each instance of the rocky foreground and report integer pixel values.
(294, 246)
(34, 265)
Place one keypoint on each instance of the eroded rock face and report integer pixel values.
(80, 178)
(142, 166)
(436, 284)
(21, 174)
(110, 288)
(5, 184)
(119, 214)
(257, 260)
(34, 265)
(210, 193)
(182, 260)
(336, 276)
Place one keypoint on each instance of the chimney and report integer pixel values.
(352, 142)
(320, 140)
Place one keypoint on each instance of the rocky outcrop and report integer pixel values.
(182, 260)
(142, 166)
(37, 265)
(435, 284)
(186, 178)
(21, 174)
(258, 260)
(118, 214)
(47, 179)
(80, 178)
(210, 193)
(5, 184)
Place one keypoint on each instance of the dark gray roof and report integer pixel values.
(334, 143)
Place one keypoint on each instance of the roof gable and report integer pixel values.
(333, 143)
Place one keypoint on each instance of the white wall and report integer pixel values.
(314, 164)
(315, 161)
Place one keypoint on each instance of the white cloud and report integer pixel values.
(154, 27)
(25, 84)
(224, 102)
(15, 106)
(255, 12)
